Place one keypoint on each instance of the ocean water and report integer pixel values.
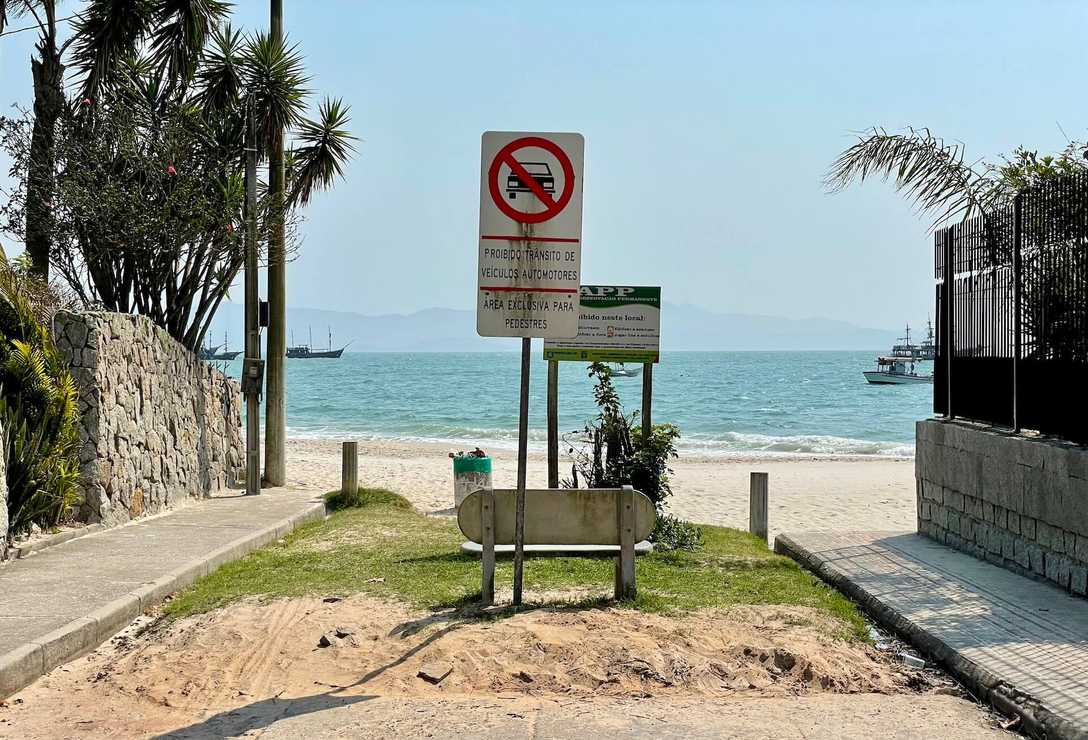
(725, 403)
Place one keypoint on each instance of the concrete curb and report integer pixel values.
(24, 665)
(15, 552)
(1036, 719)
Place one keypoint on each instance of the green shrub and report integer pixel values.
(336, 500)
(672, 533)
(37, 406)
(613, 453)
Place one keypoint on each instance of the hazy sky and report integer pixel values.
(708, 127)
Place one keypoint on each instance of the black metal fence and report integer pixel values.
(1013, 320)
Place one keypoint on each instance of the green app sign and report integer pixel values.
(616, 323)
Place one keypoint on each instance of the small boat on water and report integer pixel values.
(226, 354)
(895, 371)
(924, 352)
(622, 371)
(307, 352)
(210, 353)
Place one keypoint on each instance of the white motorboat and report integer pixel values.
(625, 372)
(895, 371)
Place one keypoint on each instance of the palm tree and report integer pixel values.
(105, 33)
(48, 75)
(937, 177)
(272, 72)
(138, 235)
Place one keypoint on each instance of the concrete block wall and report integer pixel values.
(158, 425)
(1016, 501)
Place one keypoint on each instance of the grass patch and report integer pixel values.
(337, 500)
(383, 537)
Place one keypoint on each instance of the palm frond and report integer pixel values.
(931, 173)
(107, 32)
(27, 363)
(324, 147)
(220, 76)
(274, 76)
(135, 83)
(10, 9)
(181, 29)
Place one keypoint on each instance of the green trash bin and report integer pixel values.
(470, 473)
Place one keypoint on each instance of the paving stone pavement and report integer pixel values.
(1021, 643)
(69, 598)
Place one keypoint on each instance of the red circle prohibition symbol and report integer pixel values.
(552, 206)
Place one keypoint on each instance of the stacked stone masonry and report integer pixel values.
(1016, 501)
(158, 424)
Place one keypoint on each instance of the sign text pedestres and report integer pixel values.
(530, 234)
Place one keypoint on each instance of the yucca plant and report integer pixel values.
(37, 406)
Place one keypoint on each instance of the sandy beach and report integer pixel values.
(819, 493)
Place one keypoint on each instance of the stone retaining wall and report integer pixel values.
(1016, 501)
(158, 424)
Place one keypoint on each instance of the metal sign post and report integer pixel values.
(530, 258)
(523, 448)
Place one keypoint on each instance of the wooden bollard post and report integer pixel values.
(349, 478)
(487, 554)
(553, 423)
(757, 506)
(625, 563)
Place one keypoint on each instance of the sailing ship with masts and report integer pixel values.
(208, 352)
(307, 352)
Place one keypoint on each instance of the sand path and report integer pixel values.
(256, 669)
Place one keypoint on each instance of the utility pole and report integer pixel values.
(275, 465)
(253, 336)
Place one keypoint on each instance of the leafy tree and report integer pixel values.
(106, 31)
(149, 162)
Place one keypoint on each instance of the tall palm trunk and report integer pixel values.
(275, 466)
(48, 73)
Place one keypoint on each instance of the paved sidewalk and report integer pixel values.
(1019, 643)
(67, 599)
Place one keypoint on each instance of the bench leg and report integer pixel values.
(487, 516)
(625, 563)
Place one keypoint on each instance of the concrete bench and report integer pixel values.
(560, 516)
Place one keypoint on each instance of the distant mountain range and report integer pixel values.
(454, 330)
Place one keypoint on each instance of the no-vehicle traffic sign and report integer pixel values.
(530, 253)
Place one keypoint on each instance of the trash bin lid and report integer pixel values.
(471, 464)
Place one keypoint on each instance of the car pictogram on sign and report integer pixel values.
(540, 171)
